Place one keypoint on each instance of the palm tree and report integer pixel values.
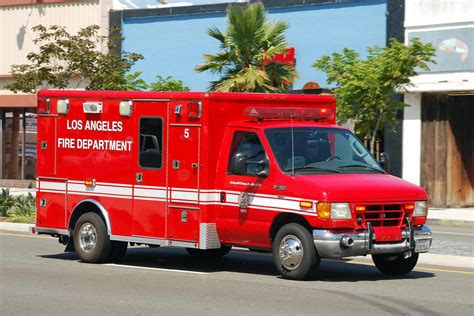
(247, 48)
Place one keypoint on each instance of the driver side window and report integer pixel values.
(245, 154)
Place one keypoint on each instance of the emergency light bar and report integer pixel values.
(63, 106)
(285, 113)
(92, 107)
(125, 108)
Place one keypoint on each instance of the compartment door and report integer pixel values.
(47, 133)
(183, 180)
(150, 191)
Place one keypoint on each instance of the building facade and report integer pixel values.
(438, 128)
(18, 111)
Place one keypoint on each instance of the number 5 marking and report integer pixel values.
(186, 133)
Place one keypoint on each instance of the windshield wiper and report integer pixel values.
(313, 168)
(363, 166)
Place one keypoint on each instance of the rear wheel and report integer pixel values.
(209, 253)
(91, 241)
(395, 264)
(294, 253)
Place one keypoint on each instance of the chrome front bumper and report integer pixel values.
(330, 244)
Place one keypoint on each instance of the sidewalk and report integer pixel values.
(436, 216)
(451, 216)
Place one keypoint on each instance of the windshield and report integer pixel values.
(314, 150)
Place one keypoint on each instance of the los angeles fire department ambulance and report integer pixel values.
(208, 171)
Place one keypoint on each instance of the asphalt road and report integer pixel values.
(37, 278)
(457, 241)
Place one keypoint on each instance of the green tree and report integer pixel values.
(244, 63)
(365, 87)
(167, 84)
(87, 58)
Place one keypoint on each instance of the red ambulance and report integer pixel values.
(208, 171)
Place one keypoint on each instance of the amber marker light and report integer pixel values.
(306, 204)
(409, 207)
(324, 210)
(360, 208)
(89, 182)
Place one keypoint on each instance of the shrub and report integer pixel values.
(6, 202)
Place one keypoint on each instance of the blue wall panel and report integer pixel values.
(174, 45)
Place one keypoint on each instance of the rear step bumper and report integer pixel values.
(331, 244)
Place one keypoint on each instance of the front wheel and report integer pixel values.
(91, 241)
(395, 264)
(294, 253)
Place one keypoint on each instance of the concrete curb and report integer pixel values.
(446, 260)
(450, 222)
(17, 227)
(433, 259)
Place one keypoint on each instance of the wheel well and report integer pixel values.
(82, 208)
(285, 218)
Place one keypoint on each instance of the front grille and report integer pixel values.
(384, 214)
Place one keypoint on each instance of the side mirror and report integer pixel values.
(262, 166)
(385, 161)
(239, 163)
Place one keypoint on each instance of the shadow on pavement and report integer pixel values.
(244, 262)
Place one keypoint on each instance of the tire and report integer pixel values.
(209, 253)
(117, 251)
(395, 264)
(94, 247)
(301, 258)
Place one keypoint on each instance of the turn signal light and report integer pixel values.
(409, 207)
(324, 210)
(306, 204)
(360, 208)
(89, 182)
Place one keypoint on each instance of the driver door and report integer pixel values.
(245, 215)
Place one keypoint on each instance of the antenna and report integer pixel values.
(292, 147)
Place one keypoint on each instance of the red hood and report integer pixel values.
(359, 188)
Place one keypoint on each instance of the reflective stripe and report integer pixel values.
(209, 197)
(101, 189)
(53, 185)
(160, 193)
(180, 195)
(99, 194)
(186, 196)
(52, 191)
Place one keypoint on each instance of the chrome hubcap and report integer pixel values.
(87, 237)
(291, 252)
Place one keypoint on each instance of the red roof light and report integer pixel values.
(289, 113)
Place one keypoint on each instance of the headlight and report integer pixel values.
(340, 210)
(420, 208)
(333, 210)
